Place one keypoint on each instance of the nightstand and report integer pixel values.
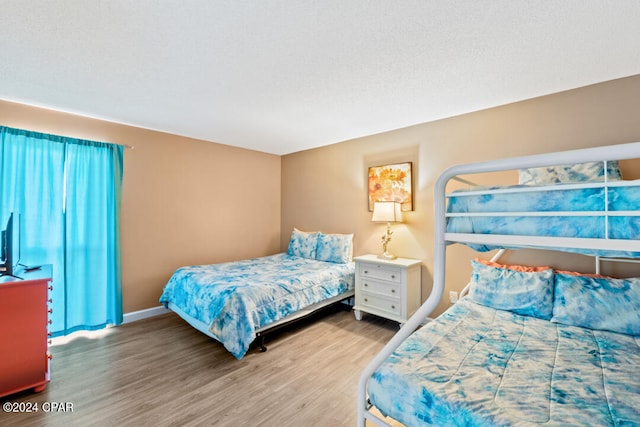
(387, 288)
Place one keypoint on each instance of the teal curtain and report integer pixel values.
(67, 192)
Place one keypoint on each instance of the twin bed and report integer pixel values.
(529, 345)
(237, 302)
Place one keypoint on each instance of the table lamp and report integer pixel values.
(387, 212)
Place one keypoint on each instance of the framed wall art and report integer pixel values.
(391, 183)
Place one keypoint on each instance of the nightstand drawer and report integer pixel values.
(377, 303)
(380, 287)
(382, 272)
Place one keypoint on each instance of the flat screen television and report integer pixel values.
(10, 245)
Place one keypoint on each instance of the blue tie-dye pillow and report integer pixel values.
(303, 244)
(523, 290)
(578, 172)
(600, 303)
(336, 248)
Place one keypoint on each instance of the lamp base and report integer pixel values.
(387, 256)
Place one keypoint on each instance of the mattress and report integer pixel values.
(513, 210)
(478, 366)
(235, 299)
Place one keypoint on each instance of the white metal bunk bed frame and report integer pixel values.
(442, 238)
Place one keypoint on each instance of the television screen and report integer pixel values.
(10, 245)
(3, 246)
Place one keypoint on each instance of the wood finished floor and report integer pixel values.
(162, 372)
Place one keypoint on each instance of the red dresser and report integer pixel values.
(24, 358)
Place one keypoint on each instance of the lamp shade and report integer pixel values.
(387, 212)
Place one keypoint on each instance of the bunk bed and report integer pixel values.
(528, 345)
(237, 302)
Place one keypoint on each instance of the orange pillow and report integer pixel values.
(523, 268)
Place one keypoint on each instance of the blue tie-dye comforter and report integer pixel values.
(619, 200)
(478, 366)
(237, 298)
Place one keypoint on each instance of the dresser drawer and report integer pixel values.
(388, 289)
(379, 303)
(381, 272)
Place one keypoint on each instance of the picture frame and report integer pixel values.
(389, 183)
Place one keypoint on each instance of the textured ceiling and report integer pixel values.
(281, 76)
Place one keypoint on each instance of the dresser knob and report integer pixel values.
(366, 300)
(393, 276)
(393, 307)
(366, 272)
(366, 284)
(393, 291)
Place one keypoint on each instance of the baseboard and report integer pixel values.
(157, 311)
(143, 314)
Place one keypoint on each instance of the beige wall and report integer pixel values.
(185, 201)
(325, 188)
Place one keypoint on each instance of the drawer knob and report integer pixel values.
(366, 272)
(393, 307)
(366, 284)
(393, 276)
(393, 291)
(366, 300)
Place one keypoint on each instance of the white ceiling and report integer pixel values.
(281, 76)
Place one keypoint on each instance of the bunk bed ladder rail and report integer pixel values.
(606, 153)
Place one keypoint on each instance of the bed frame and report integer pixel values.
(345, 298)
(443, 238)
